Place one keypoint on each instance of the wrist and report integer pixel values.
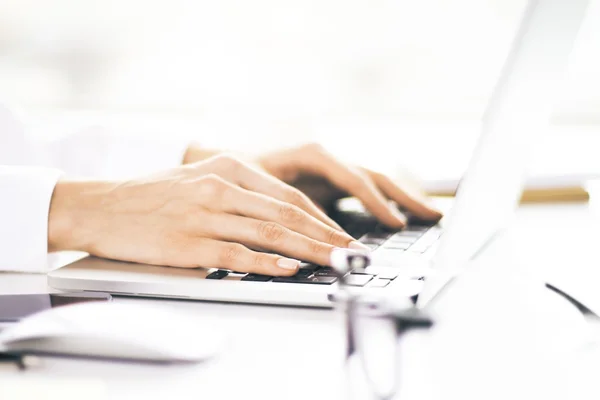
(73, 209)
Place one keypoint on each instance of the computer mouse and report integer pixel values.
(137, 332)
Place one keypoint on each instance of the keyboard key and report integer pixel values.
(385, 254)
(315, 280)
(325, 271)
(379, 283)
(383, 272)
(389, 273)
(375, 238)
(358, 230)
(388, 276)
(393, 258)
(396, 245)
(304, 273)
(416, 221)
(257, 278)
(309, 266)
(406, 234)
(219, 274)
(426, 241)
(385, 229)
(358, 279)
(400, 238)
(416, 229)
(378, 235)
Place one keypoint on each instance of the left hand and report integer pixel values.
(325, 179)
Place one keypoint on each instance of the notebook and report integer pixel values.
(538, 189)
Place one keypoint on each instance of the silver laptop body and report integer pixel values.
(518, 111)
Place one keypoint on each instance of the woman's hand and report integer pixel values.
(218, 213)
(325, 179)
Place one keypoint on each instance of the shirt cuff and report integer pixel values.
(25, 198)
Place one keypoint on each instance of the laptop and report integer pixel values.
(402, 261)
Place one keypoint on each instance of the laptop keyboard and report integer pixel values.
(416, 238)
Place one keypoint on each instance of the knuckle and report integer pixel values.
(316, 247)
(335, 239)
(227, 161)
(379, 175)
(314, 147)
(270, 232)
(359, 186)
(290, 214)
(230, 254)
(212, 186)
(295, 197)
(259, 261)
(358, 179)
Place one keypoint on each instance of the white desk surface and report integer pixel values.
(486, 344)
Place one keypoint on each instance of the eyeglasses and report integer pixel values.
(374, 328)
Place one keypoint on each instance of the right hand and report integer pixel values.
(218, 213)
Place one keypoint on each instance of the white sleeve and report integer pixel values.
(29, 171)
(25, 194)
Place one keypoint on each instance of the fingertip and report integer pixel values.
(285, 272)
(433, 213)
(287, 266)
(398, 216)
(356, 245)
(398, 226)
(437, 214)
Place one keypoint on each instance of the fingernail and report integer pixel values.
(356, 245)
(288, 263)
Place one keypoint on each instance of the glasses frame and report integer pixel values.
(404, 315)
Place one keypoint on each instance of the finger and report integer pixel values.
(360, 185)
(267, 235)
(258, 181)
(258, 206)
(210, 253)
(417, 206)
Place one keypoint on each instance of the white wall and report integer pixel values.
(274, 59)
(251, 74)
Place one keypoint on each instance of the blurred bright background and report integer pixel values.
(388, 82)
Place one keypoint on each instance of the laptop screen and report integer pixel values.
(516, 116)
